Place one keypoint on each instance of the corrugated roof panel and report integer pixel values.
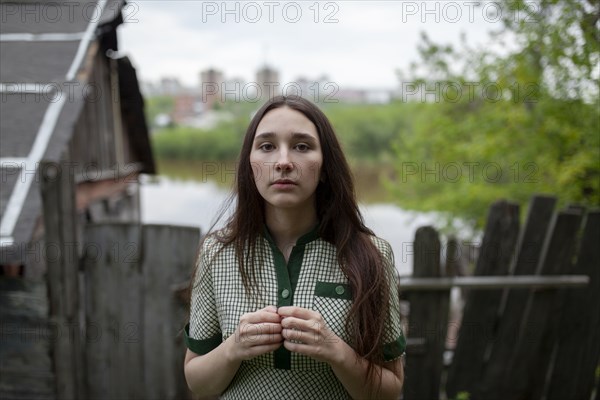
(47, 17)
(22, 115)
(36, 62)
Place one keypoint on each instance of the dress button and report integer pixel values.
(285, 293)
(339, 290)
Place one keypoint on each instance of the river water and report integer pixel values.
(165, 200)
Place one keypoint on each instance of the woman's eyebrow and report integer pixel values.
(295, 135)
(303, 136)
(265, 135)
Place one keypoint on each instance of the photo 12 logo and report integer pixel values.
(53, 12)
(253, 92)
(469, 11)
(269, 11)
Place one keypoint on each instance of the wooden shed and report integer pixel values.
(68, 100)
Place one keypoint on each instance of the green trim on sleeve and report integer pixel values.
(201, 346)
(333, 290)
(394, 349)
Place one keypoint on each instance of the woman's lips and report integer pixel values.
(284, 184)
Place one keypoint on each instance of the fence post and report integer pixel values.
(477, 327)
(114, 310)
(62, 263)
(428, 321)
(169, 258)
(528, 255)
(530, 356)
(578, 348)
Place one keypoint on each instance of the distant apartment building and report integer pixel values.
(184, 108)
(211, 88)
(267, 80)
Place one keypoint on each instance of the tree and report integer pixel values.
(510, 123)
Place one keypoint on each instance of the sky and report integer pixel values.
(356, 44)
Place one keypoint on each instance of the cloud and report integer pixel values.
(369, 41)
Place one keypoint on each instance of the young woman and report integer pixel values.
(295, 297)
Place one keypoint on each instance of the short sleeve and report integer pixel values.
(203, 333)
(394, 340)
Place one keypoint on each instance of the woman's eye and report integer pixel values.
(266, 146)
(302, 147)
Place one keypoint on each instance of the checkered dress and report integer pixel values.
(311, 279)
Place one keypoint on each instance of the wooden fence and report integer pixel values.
(527, 331)
(115, 301)
(129, 345)
(134, 347)
(531, 321)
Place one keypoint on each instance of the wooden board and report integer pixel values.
(427, 322)
(477, 330)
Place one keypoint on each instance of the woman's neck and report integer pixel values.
(287, 225)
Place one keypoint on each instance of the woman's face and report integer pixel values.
(286, 159)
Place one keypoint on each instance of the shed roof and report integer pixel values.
(44, 46)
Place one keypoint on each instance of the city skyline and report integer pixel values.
(214, 86)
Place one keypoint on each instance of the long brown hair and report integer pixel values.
(341, 224)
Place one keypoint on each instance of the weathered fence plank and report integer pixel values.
(135, 348)
(455, 260)
(97, 343)
(528, 254)
(113, 311)
(168, 261)
(529, 355)
(578, 350)
(130, 332)
(26, 339)
(545, 357)
(427, 321)
(62, 263)
(476, 332)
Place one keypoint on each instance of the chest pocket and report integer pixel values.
(333, 301)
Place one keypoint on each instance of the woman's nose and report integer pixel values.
(283, 162)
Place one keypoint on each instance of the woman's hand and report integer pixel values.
(257, 333)
(305, 332)
(318, 341)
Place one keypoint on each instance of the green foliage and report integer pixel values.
(221, 143)
(367, 131)
(185, 143)
(158, 105)
(510, 125)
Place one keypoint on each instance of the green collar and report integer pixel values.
(308, 237)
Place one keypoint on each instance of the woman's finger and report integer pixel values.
(298, 336)
(258, 329)
(298, 312)
(260, 316)
(302, 324)
(260, 333)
